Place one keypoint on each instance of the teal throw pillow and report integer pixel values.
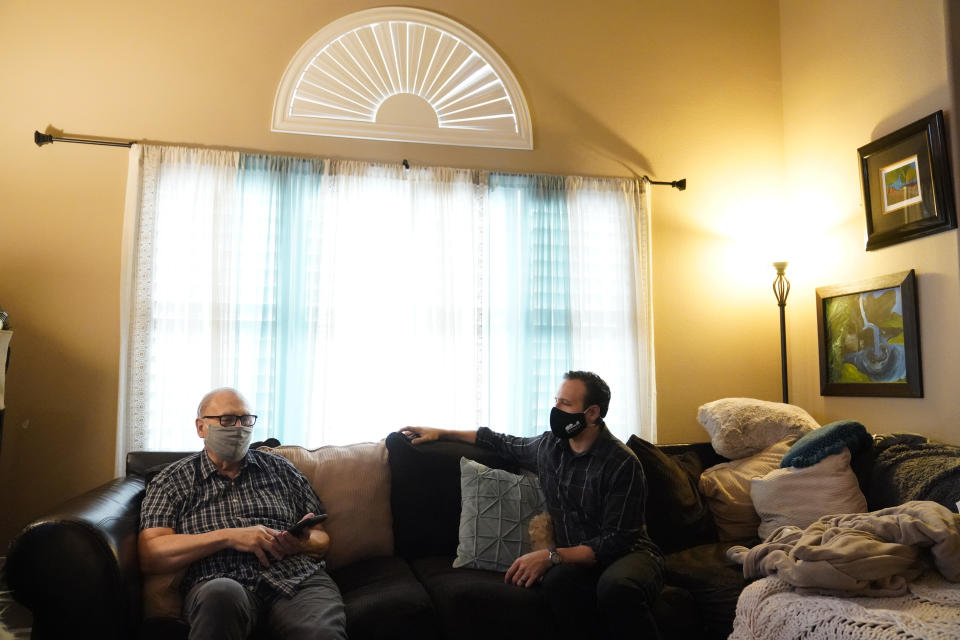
(827, 440)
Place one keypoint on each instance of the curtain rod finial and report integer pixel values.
(41, 139)
(679, 185)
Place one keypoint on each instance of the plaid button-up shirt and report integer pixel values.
(191, 496)
(596, 498)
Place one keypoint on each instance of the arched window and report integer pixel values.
(402, 74)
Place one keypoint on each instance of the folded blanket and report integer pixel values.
(906, 470)
(875, 553)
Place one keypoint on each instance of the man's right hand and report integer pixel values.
(258, 540)
(419, 435)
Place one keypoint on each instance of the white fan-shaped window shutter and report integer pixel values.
(395, 73)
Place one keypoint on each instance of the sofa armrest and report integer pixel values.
(77, 568)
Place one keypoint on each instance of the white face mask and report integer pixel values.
(228, 443)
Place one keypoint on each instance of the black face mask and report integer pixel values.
(566, 425)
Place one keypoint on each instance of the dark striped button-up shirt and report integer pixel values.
(596, 498)
(190, 496)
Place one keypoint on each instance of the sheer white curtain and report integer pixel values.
(612, 320)
(348, 299)
(179, 327)
(399, 288)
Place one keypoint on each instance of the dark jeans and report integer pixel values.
(618, 598)
(223, 609)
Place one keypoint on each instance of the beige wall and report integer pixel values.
(684, 89)
(852, 75)
(680, 89)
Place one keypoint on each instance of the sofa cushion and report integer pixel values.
(353, 481)
(163, 628)
(799, 496)
(161, 594)
(478, 604)
(726, 487)
(713, 580)
(496, 508)
(383, 599)
(465, 598)
(677, 615)
(741, 427)
(826, 441)
(425, 493)
(677, 515)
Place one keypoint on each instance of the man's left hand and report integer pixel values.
(528, 569)
(289, 544)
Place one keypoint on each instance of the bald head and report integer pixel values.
(223, 395)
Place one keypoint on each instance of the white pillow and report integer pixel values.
(799, 496)
(741, 427)
(726, 488)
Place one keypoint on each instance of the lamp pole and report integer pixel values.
(781, 289)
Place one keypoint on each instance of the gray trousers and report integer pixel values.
(223, 609)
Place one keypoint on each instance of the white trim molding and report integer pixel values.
(402, 74)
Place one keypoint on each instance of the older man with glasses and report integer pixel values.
(223, 514)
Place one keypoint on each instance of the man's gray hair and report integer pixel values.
(207, 398)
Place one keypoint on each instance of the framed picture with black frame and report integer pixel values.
(869, 337)
(907, 183)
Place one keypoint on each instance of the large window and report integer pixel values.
(348, 299)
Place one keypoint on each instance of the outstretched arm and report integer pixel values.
(419, 435)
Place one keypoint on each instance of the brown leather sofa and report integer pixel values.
(77, 570)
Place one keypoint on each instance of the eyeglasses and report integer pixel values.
(246, 420)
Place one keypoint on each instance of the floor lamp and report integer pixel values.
(781, 289)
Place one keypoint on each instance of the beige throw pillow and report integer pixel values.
(741, 427)
(161, 595)
(354, 483)
(799, 496)
(726, 487)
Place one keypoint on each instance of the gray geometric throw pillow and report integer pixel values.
(495, 512)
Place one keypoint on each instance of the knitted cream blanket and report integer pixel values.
(770, 609)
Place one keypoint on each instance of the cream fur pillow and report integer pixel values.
(726, 487)
(741, 427)
(799, 496)
(354, 483)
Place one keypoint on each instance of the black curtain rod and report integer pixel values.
(45, 138)
(679, 185)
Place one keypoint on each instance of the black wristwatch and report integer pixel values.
(554, 556)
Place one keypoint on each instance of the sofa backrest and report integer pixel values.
(425, 493)
(149, 463)
(353, 481)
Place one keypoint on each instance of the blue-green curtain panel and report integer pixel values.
(285, 192)
(536, 302)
